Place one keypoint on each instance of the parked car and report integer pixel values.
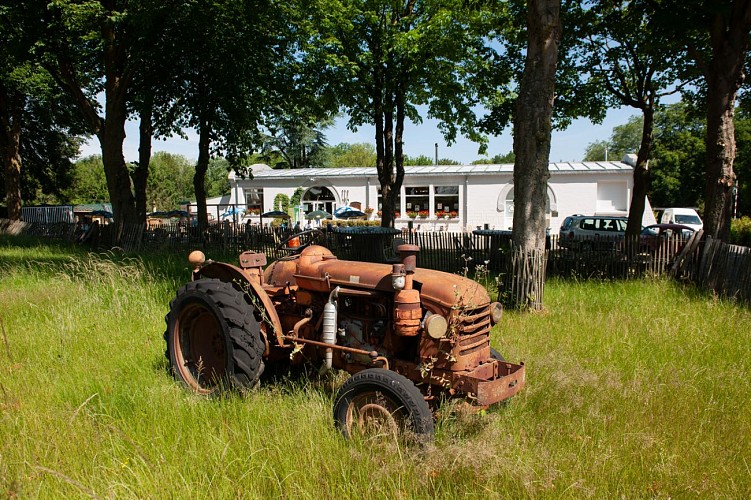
(592, 232)
(685, 216)
(652, 237)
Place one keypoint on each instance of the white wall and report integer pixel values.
(482, 198)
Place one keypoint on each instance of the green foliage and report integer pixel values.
(349, 155)
(89, 184)
(234, 70)
(742, 164)
(170, 181)
(293, 143)
(297, 196)
(384, 60)
(32, 105)
(596, 151)
(364, 155)
(95, 51)
(625, 139)
(217, 181)
(678, 160)
(427, 160)
(678, 154)
(575, 96)
(281, 202)
(356, 223)
(618, 401)
(430, 52)
(498, 159)
(740, 231)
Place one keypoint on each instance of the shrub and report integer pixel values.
(740, 231)
(281, 202)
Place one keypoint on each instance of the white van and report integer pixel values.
(686, 216)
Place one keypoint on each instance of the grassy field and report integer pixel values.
(634, 389)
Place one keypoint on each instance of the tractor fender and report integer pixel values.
(236, 276)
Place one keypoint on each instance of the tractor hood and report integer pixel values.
(318, 269)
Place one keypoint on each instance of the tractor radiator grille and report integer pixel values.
(474, 330)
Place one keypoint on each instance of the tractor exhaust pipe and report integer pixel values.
(328, 335)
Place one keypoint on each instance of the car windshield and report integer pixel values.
(687, 219)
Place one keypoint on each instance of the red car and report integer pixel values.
(655, 236)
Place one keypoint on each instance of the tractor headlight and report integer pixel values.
(398, 277)
(496, 312)
(196, 259)
(436, 326)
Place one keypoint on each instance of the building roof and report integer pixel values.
(93, 207)
(259, 172)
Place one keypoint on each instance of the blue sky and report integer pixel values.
(567, 145)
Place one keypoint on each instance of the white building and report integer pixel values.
(455, 197)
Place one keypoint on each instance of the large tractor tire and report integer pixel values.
(377, 402)
(213, 338)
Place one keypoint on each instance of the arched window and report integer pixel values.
(318, 198)
(506, 206)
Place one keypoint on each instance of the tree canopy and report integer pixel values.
(384, 59)
(169, 184)
(678, 158)
(266, 76)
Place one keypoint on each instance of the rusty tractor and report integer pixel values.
(408, 336)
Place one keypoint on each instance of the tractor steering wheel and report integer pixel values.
(305, 239)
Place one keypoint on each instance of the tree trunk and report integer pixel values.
(199, 178)
(641, 177)
(111, 139)
(11, 109)
(398, 179)
(532, 130)
(141, 173)
(724, 75)
(720, 144)
(384, 169)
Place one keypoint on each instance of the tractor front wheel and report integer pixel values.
(376, 402)
(496, 355)
(213, 338)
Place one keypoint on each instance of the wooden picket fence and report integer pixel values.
(711, 264)
(725, 270)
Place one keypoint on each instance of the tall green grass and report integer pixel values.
(634, 389)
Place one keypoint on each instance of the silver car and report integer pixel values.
(592, 232)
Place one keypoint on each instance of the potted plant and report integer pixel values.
(453, 214)
(423, 214)
(411, 214)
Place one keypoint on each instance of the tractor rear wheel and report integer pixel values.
(375, 402)
(213, 338)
